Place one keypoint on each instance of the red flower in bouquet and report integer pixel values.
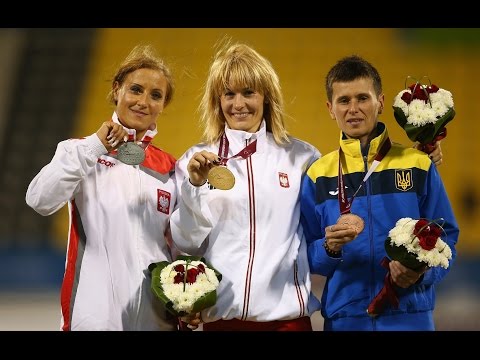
(423, 111)
(415, 244)
(185, 286)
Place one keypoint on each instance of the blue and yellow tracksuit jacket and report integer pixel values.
(405, 184)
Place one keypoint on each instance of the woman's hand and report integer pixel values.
(199, 166)
(403, 276)
(192, 320)
(436, 155)
(336, 236)
(112, 135)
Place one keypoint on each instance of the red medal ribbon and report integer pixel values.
(344, 204)
(132, 133)
(147, 138)
(247, 151)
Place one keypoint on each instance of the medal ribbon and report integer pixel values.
(147, 138)
(247, 151)
(132, 133)
(346, 205)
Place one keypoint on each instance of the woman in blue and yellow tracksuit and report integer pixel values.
(405, 184)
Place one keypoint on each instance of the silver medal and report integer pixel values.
(131, 153)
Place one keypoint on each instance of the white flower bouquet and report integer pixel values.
(416, 244)
(423, 111)
(185, 286)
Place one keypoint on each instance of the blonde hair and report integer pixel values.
(142, 57)
(240, 65)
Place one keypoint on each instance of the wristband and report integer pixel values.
(330, 252)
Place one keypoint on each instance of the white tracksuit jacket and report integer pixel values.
(251, 232)
(118, 217)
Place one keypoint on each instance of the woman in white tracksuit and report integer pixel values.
(118, 213)
(250, 233)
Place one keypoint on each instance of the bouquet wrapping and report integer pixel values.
(423, 111)
(185, 286)
(416, 244)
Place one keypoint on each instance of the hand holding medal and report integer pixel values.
(114, 136)
(220, 176)
(346, 216)
(200, 165)
(353, 221)
(130, 152)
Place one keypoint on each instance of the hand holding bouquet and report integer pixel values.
(415, 244)
(423, 111)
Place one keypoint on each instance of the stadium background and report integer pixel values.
(54, 84)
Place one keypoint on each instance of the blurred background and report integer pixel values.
(54, 84)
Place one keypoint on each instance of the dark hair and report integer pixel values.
(351, 68)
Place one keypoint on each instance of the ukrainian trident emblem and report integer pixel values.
(403, 179)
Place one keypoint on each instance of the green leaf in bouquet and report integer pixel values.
(426, 133)
(155, 269)
(205, 301)
(399, 116)
(420, 133)
(401, 254)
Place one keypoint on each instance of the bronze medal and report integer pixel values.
(353, 220)
(221, 178)
(131, 153)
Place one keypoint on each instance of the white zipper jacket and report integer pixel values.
(118, 216)
(250, 233)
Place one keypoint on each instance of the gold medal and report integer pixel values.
(353, 220)
(221, 178)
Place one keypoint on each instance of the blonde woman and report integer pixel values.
(239, 199)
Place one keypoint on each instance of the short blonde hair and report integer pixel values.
(240, 65)
(142, 57)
